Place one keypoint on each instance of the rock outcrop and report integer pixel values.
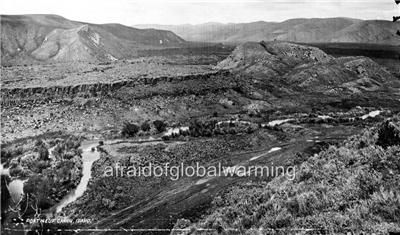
(305, 68)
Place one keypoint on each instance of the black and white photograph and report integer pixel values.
(183, 117)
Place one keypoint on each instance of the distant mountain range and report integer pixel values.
(32, 38)
(296, 30)
(52, 38)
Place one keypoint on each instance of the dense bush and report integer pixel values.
(145, 126)
(160, 125)
(40, 147)
(68, 147)
(5, 196)
(8, 154)
(388, 134)
(39, 188)
(129, 129)
(48, 180)
(212, 128)
(202, 128)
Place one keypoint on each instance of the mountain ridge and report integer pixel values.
(308, 30)
(53, 38)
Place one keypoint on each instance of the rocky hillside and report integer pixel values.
(292, 67)
(51, 38)
(296, 30)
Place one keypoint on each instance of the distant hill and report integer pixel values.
(52, 38)
(296, 30)
(292, 68)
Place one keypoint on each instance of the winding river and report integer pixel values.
(88, 157)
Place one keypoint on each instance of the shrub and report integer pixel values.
(160, 125)
(73, 142)
(5, 196)
(6, 155)
(39, 188)
(39, 143)
(388, 134)
(182, 224)
(145, 126)
(129, 129)
(43, 153)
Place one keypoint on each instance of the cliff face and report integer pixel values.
(144, 87)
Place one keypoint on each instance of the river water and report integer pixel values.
(371, 114)
(88, 157)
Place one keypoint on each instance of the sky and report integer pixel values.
(132, 12)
